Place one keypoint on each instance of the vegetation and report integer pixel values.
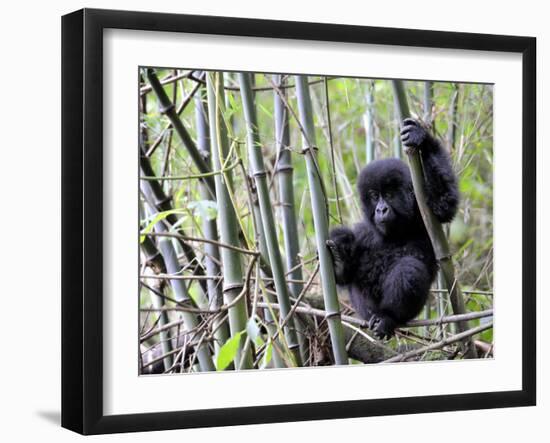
(241, 176)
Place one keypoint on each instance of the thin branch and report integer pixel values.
(203, 240)
(412, 324)
(447, 341)
(166, 81)
(192, 176)
(259, 88)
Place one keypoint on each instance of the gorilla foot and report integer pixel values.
(382, 327)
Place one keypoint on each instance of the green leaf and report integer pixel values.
(197, 295)
(267, 355)
(232, 106)
(228, 352)
(264, 109)
(253, 331)
(158, 217)
(205, 209)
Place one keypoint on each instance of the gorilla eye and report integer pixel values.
(388, 195)
(373, 195)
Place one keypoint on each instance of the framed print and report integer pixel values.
(271, 221)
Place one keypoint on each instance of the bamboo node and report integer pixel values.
(309, 148)
(444, 257)
(283, 169)
(163, 109)
(150, 261)
(166, 199)
(330, 315)
(232, 287)
(259, 174)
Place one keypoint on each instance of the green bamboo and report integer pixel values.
(270, 317)
(154, 259)
(157, 199)
(428, 103)
(369, 121)
(168, 108)
(266, 211)
(190, 320)
(396, 129)
(320, 220)
(209, 226)
(451, 133)
(229, 228)
(284, 172)
(429, 121)
(172, 266)
(427, 118)
(433, 226)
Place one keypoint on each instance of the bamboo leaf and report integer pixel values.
(157, 218)
(228, 352)
(206, 209)
(265, 110)
(253, 331)
(267, 355)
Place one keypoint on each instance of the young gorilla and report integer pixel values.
(387, 260)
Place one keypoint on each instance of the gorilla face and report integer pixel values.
(386, 192)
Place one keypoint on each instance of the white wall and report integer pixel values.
(30, 216)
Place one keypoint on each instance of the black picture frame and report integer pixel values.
(82, 218)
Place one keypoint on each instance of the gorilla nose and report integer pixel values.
(382, 210)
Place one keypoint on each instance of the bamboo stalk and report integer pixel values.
(433, 226)
(231, 260)
(266, 211)
(396, 129)
(209, 226)
(320, 220)
(190, 320)
(369, 122)
(157, 199)
(427, 118)
(428, 103)
(284, 172)
(451, 133)
(154, 259)
(270, 318)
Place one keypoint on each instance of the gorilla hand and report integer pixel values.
(413, 135)
(341, 247)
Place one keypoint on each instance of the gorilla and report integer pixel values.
(387, 261)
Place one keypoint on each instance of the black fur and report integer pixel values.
(387, 260)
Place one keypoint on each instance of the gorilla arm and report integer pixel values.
(342, 246)
(440, 180)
